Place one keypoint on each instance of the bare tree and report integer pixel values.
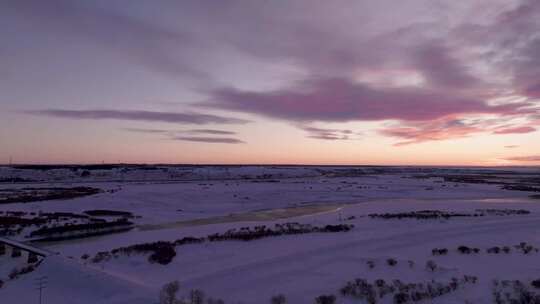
(431, 265)
(196, 296)
(168, 293)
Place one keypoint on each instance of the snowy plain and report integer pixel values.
(176, 202)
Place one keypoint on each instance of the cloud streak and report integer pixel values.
(150, 116)
(148, 131)
(194, 131)
(515, 130)
(210, 140)
(530, 158)
(187, 135)
(451, 128)
(212, 131)
(326, 133)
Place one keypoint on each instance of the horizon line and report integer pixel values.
(255, 165)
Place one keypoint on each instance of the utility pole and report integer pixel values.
(41, 284)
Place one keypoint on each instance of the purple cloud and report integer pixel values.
(133, 38)
(212, 140)
(441, 69)
(340, 100)
(326, 133)
(187, 135)
(169, 117)
(150, 131)
(197, 131)
(211, 131)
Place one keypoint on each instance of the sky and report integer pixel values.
(417, 82)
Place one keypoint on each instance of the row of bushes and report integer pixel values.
(437, 214)
(515, 291)
(248, 234)
(390, 262)
(361, 289)
(13, 222)
(163, 252)
(522, 247)
(66, 228)
(169, 295)
(104, 212)
(521, 188)
(8, 221)
(21, 218)
(26, 195)
(62, 215)
(49, 215)
(83, 234)
(505, 211)
(15, 213)
(10, 180)
(422, 215)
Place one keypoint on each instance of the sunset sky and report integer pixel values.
(416, 82)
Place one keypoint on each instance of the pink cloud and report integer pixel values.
(450, 128)
(419, 132)
(516, 130)
(341, 100)
(530, 158)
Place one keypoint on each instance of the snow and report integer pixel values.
(70, 282)
(208, 200)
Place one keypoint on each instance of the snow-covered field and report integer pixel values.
(173, 202)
